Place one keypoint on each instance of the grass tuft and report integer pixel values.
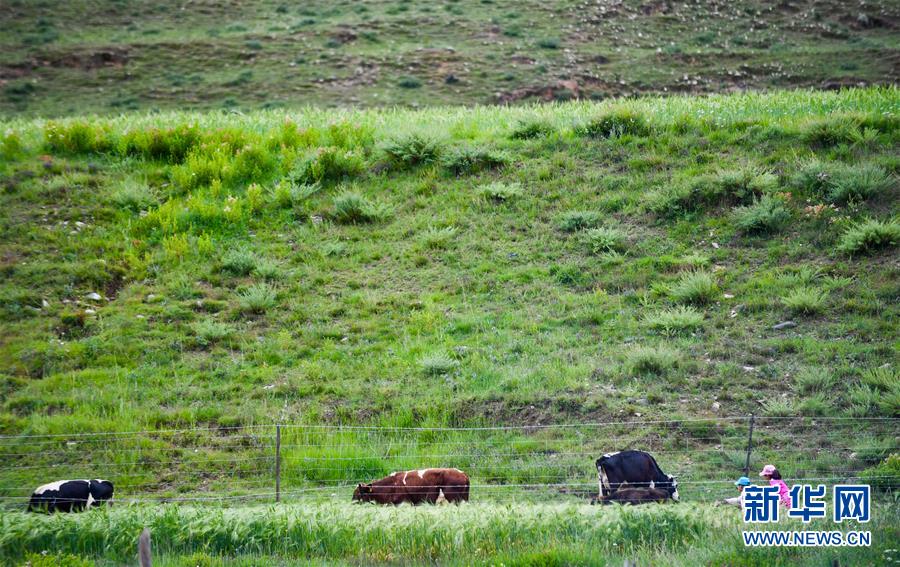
(412, 151)
(605, 239)
(353, 208)
(675, 320)
(870, 236)
(697, 288)
(257, 298)
(805, 300)
(613, 123)
(766, 215)
(500, 192)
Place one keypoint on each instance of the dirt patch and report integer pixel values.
(560, 90)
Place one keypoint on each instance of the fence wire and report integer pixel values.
(543, 462)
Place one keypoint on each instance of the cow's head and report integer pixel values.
(363, 493)
(674, 487)
(101, 492)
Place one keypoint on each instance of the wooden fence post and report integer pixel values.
(144, 548)
(277, 463)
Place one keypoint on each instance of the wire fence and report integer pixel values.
(541, 462)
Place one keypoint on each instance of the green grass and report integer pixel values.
(479, 534)
(260, 54)
(281, 266)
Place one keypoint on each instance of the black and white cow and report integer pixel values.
(70, 495)
(636, 469)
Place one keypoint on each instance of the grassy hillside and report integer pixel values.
(626, 261)
(108, 56)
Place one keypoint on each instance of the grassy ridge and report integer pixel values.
(488, 534)
(106, 57)
(577, 262)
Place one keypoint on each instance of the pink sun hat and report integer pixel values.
(767, 470)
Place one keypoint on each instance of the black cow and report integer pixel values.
(635, 468)
(70, 495)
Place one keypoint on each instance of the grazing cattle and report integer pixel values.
(634, 496)
(70, 495)
(434, 486)
(637, 468)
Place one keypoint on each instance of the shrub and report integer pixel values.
(805, 300)
(574, 221)
(56, 560)
(811, 380)
(408, 82)
(531, 129)
(812, 175)
(569, 274)
(765, 215)
(885, 475)
(830, 131)
(499, 191)
(76, 138)
(869, 236)
(695, 287)
(134, 196)
(238, 262)
(208, 332)
(675, 320)
(267, 269)
(171, 144)
(656, 361)
(353, 208)
(883, 379)
(436, 238)
(616, 122)
(257, 298)
(251, 163)
(605, 239)
(548, 43)
(856, 182)
(743, 184)
(437, 364)
(468, 160)
(327, 165)
(412, 151)
(815, 405)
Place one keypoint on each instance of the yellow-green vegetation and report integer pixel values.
(471, 534)
(110, 56)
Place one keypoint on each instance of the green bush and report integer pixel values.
(353, 208)
(656, 361)
(408, 82)
(77, 138)
(209, 331)
(605, 239)
(675, 320)
(238, 262)
(134, 195)
(468, 160)
(412, 151)
(257, 298)
(438, 238)
(766, 215)
(695, 287)
(327, 165)
(830, 131)
(170, 144)
(886, 475)
(531, 129)
(574, 221)
(437, 364)
(616, 122)
(55, 560)
(500, 191)
(870, 236)
(856, 182)
(805, 300)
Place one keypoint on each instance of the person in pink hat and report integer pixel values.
(771, 474)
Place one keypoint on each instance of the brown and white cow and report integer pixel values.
(434, 486)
